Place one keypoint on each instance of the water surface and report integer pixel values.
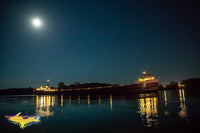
(163, 111)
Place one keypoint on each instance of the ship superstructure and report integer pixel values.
(147, 80)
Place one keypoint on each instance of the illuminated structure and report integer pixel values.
(145, 77)
(23, 121)
(46, 88)
(147, 80)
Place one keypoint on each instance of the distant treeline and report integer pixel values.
(17, 91)
(191, 85)
(61, 85)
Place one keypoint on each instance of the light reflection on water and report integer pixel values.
(183, 107)
(165, 109)
(44, 104)
(147, 105)
(143, 110)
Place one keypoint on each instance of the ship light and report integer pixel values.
(145, 79)
(179, 85)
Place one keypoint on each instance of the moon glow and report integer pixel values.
(36, 22)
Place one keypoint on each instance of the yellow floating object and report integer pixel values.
(23, 121)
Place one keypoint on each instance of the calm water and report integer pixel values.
(165, 111)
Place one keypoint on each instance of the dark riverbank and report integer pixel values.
(17, 91)
(191, 86)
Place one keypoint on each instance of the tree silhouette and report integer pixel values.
(61, 85)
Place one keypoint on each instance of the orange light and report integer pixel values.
(179, 85)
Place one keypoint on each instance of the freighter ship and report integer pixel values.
(145, 83)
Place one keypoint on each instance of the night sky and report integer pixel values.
(97, 41)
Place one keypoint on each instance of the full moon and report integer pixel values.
(36, 22)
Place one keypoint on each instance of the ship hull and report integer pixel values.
(117, 89)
